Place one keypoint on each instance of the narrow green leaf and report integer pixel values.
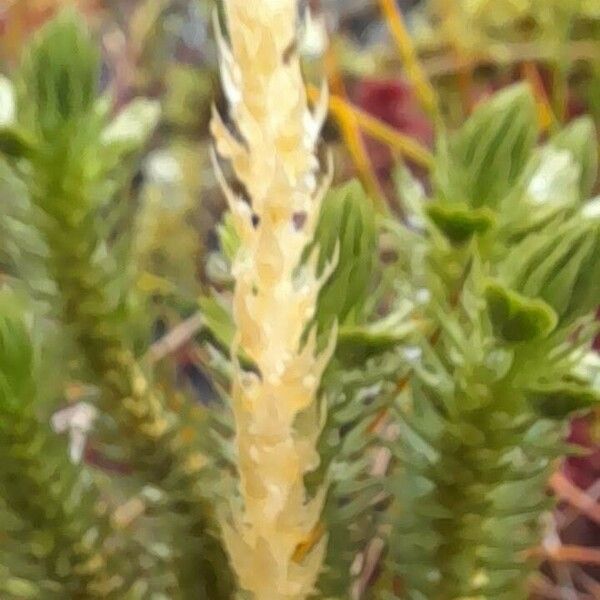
(218, 320)
(357, 343)
(228, 238)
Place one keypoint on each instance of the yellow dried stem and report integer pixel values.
(354, 142)
(546, 118)
(399, 142)
(414, 69)
(271, 146)
(350, 130)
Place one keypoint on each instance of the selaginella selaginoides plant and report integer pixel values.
(73, 161)
(272, 147)
(507, 249)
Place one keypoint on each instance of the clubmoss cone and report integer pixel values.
(277, 416)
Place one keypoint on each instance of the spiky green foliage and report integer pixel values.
(474, 457)
(61, 542)
(356, 400)
(357, 386)
(505, 249)
(74, 167)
